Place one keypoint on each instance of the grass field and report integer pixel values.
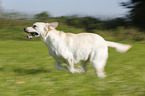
(26, 69)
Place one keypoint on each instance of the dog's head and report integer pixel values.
(39, 29)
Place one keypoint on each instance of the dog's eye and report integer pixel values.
(34, 26)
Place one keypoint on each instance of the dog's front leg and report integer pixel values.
(71, 68)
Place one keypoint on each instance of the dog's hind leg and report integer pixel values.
(84, 65)
(98, 60)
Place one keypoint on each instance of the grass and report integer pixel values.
(26, 69)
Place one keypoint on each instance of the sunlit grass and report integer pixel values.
(26, 69)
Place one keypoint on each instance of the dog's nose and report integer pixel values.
(25, 29)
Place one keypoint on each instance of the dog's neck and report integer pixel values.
(53, 39)
(51, 34)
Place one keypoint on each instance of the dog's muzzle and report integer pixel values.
(32, 34)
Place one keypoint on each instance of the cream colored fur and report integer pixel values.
(72, 48)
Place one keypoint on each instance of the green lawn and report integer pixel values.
(26, 69)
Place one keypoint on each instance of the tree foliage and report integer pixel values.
(91, 24)
(88, 23)
(114, 23)
(42, 16)
(137, 12)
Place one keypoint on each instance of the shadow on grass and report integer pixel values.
(1, 68)
(23, 71)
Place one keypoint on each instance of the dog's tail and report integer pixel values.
(118, 46)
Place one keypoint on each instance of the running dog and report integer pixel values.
(72, 48)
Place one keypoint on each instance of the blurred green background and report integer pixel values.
(26, 69)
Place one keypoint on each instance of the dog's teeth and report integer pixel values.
(29, 36)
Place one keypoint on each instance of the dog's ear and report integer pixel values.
(53, 25)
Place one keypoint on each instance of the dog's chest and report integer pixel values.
(56, 50)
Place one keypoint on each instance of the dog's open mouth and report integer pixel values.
(31, 34)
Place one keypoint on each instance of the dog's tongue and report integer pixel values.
(29, 36)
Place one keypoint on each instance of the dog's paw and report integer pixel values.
(81, 69)
(101, 75)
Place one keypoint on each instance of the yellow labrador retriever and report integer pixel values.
(71, 48)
